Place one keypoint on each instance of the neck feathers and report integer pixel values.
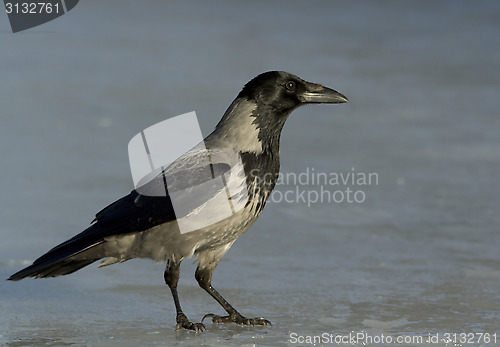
(248, 127)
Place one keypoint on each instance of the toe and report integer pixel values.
(197, 327)
(209, 315)
(218, 319)
(237, 319)
(261, 321)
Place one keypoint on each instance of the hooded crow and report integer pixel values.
(146, 226)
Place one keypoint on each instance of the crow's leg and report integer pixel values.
(171, 276)
(204, 278)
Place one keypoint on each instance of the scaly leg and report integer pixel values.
(171, 276)
(204, 278)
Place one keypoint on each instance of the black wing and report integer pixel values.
(135, 212)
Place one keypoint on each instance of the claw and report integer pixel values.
(184, 323)
(261, 321)
(197, 327)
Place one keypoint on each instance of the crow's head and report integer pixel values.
(254, 121)
(283, 92)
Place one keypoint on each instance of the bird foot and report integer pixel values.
(238, 319)
(183, 322)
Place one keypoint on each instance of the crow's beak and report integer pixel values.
(317, 94)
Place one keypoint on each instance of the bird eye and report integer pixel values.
(290, 86)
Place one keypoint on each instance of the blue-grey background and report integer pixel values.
(419, 256)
